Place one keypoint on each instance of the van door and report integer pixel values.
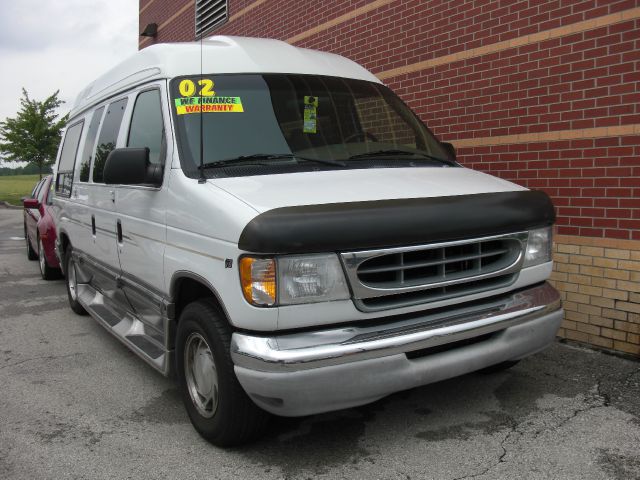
(71, 219)
(142, 219)
(101, 261)
(80, 227)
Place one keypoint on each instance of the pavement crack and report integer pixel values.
(597, 398)
(46, 357)
(513, 428)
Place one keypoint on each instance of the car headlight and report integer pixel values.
(538, 246)
(296, 279)
(311, 278)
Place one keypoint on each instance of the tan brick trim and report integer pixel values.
(614, 243)
(174, 16)
(338, 20)
(598, 132)
(246, 10)
(585, 25)
(168, 21)
(146, 6)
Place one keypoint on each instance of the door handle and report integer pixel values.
(93, 225)
(119, 230)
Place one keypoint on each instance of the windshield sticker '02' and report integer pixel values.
(187, 105)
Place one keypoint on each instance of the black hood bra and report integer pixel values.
(391, 223)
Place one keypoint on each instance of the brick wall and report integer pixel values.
(545, 93)
(599, 280)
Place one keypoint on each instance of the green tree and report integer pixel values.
(34, 134)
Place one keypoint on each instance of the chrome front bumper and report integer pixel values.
(323, 370)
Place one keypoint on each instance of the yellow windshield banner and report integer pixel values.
(186, 105)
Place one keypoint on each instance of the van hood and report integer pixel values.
(267, 192)
(364, 209)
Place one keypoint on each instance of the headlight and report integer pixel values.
(538, 246)
(296, 279)
(311, 278)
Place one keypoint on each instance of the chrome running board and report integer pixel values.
(125, 327)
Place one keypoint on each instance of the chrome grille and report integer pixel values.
(397, 277)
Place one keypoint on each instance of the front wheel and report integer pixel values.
(218, 407)
(72, 282)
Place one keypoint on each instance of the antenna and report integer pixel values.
(202, 178)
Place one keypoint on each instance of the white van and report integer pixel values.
(281, 230)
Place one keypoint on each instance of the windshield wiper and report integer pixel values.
(269, 156)
(391, 152)
(326, 161)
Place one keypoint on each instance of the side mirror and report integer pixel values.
(31, 203)
(449, 148)
(131, 166)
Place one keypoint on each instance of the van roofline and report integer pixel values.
(220, 55)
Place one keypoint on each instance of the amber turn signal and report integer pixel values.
(258, 280)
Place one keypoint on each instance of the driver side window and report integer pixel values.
(147, 128)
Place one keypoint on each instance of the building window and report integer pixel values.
(209, 15)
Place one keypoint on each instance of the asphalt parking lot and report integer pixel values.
(75, 403)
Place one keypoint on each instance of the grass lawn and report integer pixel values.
(14, 187)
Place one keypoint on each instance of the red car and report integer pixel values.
(39, 229)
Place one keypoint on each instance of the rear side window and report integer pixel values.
(67, 162)
(147, 129)
(90, 144)
(108, 137)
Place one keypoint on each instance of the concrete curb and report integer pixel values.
(8, 205)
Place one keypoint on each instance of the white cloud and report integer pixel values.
(61, 45)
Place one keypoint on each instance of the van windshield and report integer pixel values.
(259, 124)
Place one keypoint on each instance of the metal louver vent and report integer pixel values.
(209, 14)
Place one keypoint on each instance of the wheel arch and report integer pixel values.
(186, 287)
(63, 242)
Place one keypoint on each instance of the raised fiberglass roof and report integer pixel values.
(219, 54)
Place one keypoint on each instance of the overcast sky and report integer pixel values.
(49, 45)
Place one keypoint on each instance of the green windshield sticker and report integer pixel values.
(310, 114)
(187, 105)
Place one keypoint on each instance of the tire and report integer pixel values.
(31, 253)
(499, 367)
(47, 272)
(224, 415)
(72, 284)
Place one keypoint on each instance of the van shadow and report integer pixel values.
(453, 409)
